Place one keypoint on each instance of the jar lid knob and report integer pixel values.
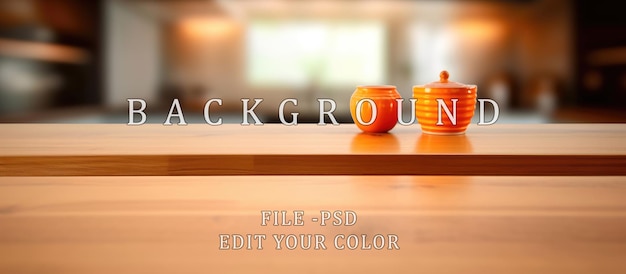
(443, 76)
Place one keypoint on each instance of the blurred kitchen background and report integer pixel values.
(75, 61)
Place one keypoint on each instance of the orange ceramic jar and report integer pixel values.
(434, 120)
(386, 109)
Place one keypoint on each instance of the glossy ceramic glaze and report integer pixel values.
(427, 107)
(386, 107)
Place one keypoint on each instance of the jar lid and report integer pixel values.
(445, 83)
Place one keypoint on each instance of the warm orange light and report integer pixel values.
(480, 29)
(202, 27)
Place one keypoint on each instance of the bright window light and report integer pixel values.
(302, 53)
(433, 47)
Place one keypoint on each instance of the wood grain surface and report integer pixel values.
(444, 224)
(70, 150)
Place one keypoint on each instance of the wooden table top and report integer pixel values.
(274, 149)
(444, 224)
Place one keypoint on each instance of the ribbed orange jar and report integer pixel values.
(436, 121)
(386, 110)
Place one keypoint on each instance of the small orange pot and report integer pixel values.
(386, 108)
(427, 106)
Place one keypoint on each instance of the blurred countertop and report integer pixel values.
(102, 115)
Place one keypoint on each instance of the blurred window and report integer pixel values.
(433, 47)
(301, 53)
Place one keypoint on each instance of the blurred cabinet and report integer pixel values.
(601, 53)
(50, 54)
